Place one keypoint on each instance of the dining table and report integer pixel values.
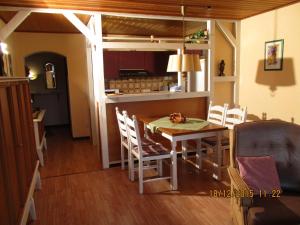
(177, 134)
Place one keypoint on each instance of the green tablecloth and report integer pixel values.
(190, 124)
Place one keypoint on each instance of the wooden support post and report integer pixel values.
(92, 100)
(211, 58)
(94, 34)
(99, 87)
(235, 43)
(236, 90)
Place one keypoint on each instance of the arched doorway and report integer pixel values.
(48, 75)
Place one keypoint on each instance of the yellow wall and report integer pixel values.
(73, 47)
(274, 93)
(223, 91)
(9, 39)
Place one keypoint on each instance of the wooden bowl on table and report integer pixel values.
(177, 118)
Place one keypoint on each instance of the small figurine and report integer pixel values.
(221, 68)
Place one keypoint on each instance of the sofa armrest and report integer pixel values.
(239, 188)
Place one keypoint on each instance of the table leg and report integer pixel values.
(219, 157)
(174, 166)
(184, 150)
(199, 154)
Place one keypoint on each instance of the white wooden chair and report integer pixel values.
(235, 116)
(216, 113)
(232, 117)
(124, 141)
(40, 135)
(146, 153)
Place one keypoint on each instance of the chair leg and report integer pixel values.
(223, 156)
(129, 163)
(131, 167)
(199, 154)
(174, 166)
(219, 156)
(40, 155)
(122, 157)
(159, 167)
(45, 144)
(32, 211)
(184, 150)
(38, 185)
(141, 177)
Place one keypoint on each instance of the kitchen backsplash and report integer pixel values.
(142, 84)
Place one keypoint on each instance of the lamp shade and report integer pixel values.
(184, 63)
(174, 64)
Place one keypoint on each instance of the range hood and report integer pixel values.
(133, 73)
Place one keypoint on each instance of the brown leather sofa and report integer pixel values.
(281, 140)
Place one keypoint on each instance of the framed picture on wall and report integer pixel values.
(274, 55)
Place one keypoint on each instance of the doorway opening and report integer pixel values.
(48, 74)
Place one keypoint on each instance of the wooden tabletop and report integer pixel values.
(177, 132)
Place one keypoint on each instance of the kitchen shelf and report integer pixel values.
(224, 78)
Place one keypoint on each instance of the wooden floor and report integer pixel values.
(66, 156)
(91, 196)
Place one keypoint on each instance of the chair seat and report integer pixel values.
(152, 150)
(145, 142)
(149, 141)
(268, 211)
(213, 141)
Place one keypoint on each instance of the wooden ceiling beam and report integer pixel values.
(80, 26)
(13, 24)
(226, 9)
(227, 33)
(47, 10)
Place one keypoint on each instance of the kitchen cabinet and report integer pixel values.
(153, 62)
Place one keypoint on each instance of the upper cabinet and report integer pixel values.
(153, 62)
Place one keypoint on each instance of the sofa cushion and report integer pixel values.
(284, 210)
(259, 173)
(277, 138)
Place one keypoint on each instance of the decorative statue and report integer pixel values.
(221, 68)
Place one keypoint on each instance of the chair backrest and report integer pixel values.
(216, 113)
(235, 116)
(134, 138)
(276, 138)
(121, 124)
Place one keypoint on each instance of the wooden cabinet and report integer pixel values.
(154, 62)
(18, 158)
(131, 60)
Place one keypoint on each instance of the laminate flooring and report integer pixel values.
(79, 193)
(66, 156)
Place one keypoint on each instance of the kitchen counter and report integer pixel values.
(151, 96)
